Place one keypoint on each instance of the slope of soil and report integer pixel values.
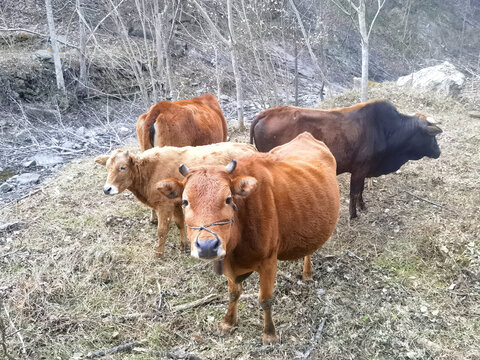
(400, 282)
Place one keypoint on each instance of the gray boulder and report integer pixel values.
(47, 160)
(27, 178)
(444, 79)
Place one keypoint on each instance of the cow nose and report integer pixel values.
(207, 248)
(107, 190)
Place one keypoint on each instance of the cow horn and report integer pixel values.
(231, 166)
(434, 129)
(183, 169)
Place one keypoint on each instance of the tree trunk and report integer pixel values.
(236, 70)
(296, 69)
(364, 39)
(364, 83)
(53, 40)
(82, 46)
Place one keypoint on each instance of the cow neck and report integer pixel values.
(400, 132)
(139, 183)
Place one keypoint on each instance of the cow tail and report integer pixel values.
(147, 124)
(252, 126)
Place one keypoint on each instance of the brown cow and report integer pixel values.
(282, 205)
(367, 140)
(192, 122)
(140, 174)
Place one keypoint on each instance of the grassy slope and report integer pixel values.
(82, 277)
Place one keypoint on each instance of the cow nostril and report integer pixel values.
(216, 244)
(107, 190)
(197, 244)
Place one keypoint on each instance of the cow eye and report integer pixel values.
(184, 203)
(229, 200)
(123, 167)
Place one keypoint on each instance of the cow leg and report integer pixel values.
(153, 217)
(357, 183)
(307, 269)
(267, 283)
(180, 221)
(361, 203)
(162, 231)
(230, 320)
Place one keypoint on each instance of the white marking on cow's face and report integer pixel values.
(194, 252)
(110, 189)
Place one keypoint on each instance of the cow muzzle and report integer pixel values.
(110, 189)
(208, 248)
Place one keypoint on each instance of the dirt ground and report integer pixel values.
(400, 282)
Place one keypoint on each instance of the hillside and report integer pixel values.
(401, 281)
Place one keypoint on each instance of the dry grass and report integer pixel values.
(81, 277)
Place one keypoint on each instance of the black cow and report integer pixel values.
(368, 139)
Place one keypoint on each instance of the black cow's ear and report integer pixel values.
(244, 185)
(433, 129)
(171, 188)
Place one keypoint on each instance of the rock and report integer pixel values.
(6, 187)
(474, 114)
(44, 55)
(444, 79)
(68, 145)
(41, 114)
(123, 130)
(12, 226)
(80, 131)
(29, 163)
(27, 178)
(47, 160)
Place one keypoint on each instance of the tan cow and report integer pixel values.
(141, 173)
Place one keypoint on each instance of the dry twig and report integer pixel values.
(316, 340)
(207, 299)
(123, 347)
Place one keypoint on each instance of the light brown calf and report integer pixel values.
(141, 173)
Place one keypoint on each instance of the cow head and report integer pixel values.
(423, 141)
(120, 171)
(208, 198)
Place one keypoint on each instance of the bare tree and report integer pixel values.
(53, 40)
(309, 47)
(231, 44)
(82, 45)
(365, 31)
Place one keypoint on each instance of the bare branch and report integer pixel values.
(380, 5)
(211, 24)
(307, 41)
(39, 34)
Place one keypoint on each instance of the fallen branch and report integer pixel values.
(428, 201)
(39, 34)
(207, 299)
(316, 340)
(116, 349)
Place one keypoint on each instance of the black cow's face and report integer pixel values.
(424, 142)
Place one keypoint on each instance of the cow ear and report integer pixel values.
(433, 130)
(102, 159)
(243, 185)
(171, 188)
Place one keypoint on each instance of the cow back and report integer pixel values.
(296, 205)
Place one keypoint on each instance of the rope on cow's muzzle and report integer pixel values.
(205, 227)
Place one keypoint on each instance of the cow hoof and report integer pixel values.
(225, 328)
(159, 255)
(182, 247)
(307, 278)
(270, 339)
